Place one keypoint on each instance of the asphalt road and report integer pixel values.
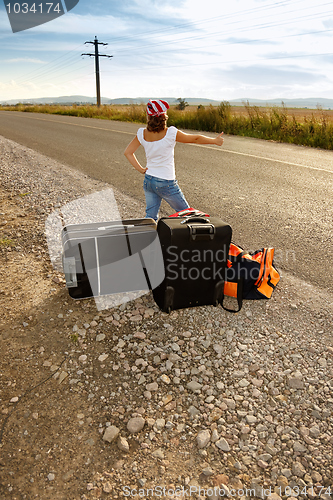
(272, 194)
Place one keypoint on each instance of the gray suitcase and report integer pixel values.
(105, 258)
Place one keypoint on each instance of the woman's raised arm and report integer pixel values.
(199, 139)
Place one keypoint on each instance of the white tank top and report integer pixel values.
(160, 154)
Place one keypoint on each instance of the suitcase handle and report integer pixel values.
(194, 219)
(116, 226)
(202, 231)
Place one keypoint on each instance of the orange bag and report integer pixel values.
(250, 275)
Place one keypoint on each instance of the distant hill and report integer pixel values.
(311, 102)
(80, 99)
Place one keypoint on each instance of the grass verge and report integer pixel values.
(274, 123)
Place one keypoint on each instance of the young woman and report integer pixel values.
(159, 143)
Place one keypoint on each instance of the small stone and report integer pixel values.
(180, 428)
(298, 469)
(258, 489)
(62, 377)
(247, 459)
(152, 387)
(273, 496)
(107, 488)
(194, 386)
(83, 358)
(158, 454)
(123, 444)
(215, 436)
(159, 424)
(271, 449)
(165, 379)
(220, 479)
(14, 400)
(216, 414)
(193, 411)
(103, 357)
(322, 362)
(139, 335)
(299, 447)
(262, 464)
(223, 445)
(100, 337)
(208, 471)
(314, 431)
(203, 438)
(295, 383)
(51, 476)
(251, 419)
(316, 476)
(135, 424)
(137, 317)
(266, 457)
(111, 433)
(231, 404)
(282, 482)
(166, 399)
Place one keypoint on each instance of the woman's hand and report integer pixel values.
(219, 139)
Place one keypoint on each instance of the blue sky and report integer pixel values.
(214, 49)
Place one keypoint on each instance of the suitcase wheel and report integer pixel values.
(168, 299)
(218, 293)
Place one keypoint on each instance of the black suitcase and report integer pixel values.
(105, 258)
(195, 252)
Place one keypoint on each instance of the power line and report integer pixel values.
(203, 21)
(239, 30)
(163, 32)
(36, 73)
(211, 63)
(194, 49)
(96, 43)
(48, 73)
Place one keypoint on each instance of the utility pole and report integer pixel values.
(96, 56)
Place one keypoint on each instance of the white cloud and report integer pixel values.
(177, 48)
(23, 59)
(87, 25)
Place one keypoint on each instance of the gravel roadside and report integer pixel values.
(129, 400)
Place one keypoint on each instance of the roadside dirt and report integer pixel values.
(49, 433)
(59, 394)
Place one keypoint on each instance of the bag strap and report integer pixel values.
(239, 257)
(240, 287)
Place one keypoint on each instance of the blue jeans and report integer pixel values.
(156, 190)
